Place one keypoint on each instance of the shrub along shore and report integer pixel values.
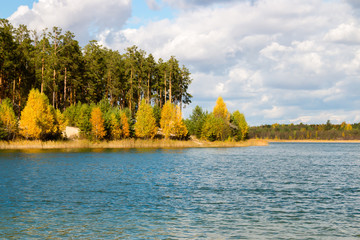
(127, 143)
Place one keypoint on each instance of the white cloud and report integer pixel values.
(84, 17)
(273, 60)
(345, 33)
(276, 61)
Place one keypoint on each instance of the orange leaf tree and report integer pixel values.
(97, 124)
(125, 126)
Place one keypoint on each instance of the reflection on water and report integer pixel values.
(283, 191)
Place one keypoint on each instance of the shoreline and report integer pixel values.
(312, 141)
(125, 144)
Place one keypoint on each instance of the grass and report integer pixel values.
(126, 143)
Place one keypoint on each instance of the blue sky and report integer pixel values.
(274, 60)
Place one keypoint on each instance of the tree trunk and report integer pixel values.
(54, 83)
(13, 97)
(130, 97)
(19, 91)
(1, 86)
(65, 88)
(165, 86)
(148, 88)
(42, 75)
(170, 97)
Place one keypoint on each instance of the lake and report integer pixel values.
(282, 191)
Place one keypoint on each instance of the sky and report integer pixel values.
(276, 61)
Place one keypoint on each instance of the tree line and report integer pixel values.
(327, 131)
(54, 63)
(102, 121)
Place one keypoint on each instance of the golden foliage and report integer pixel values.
(97, 124)
(220, 110)
(115, 127)
(180, 130)
(125, 127)
(7, 118)
(243, 127)
(171, 121)
(167, 122)
(38, 117)
(145, 126)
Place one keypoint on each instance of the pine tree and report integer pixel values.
(145, 126)
(97, 124)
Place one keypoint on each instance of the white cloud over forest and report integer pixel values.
(275, 60)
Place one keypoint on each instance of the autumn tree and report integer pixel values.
(115, 125)
(125, 126)
(238, 119)
(171, 121)
(145, 126)
(97, 124)
(167, 121)
(38, 120)
(8, 121)
(215, 128)
(180, 130)
(220, 110)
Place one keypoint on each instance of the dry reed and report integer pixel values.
(126, 143)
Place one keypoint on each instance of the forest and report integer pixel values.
(54, 63)
(48, 82)
(326, 131)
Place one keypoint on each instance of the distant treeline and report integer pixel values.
(54, 63)
(327, 131)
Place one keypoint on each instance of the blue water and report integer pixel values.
(282, 191)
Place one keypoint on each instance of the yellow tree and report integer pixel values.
(60, 122)
(115, 126)
(180, 128)
(125, 127)
(171, 121)
(243, 127)
(145, 126)
(167, 121)
(97, 124)
(220, 110)
(37, 119)
(7, 118)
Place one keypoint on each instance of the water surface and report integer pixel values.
(282, 191)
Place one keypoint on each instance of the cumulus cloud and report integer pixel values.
(84, 17)
(277, 61)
